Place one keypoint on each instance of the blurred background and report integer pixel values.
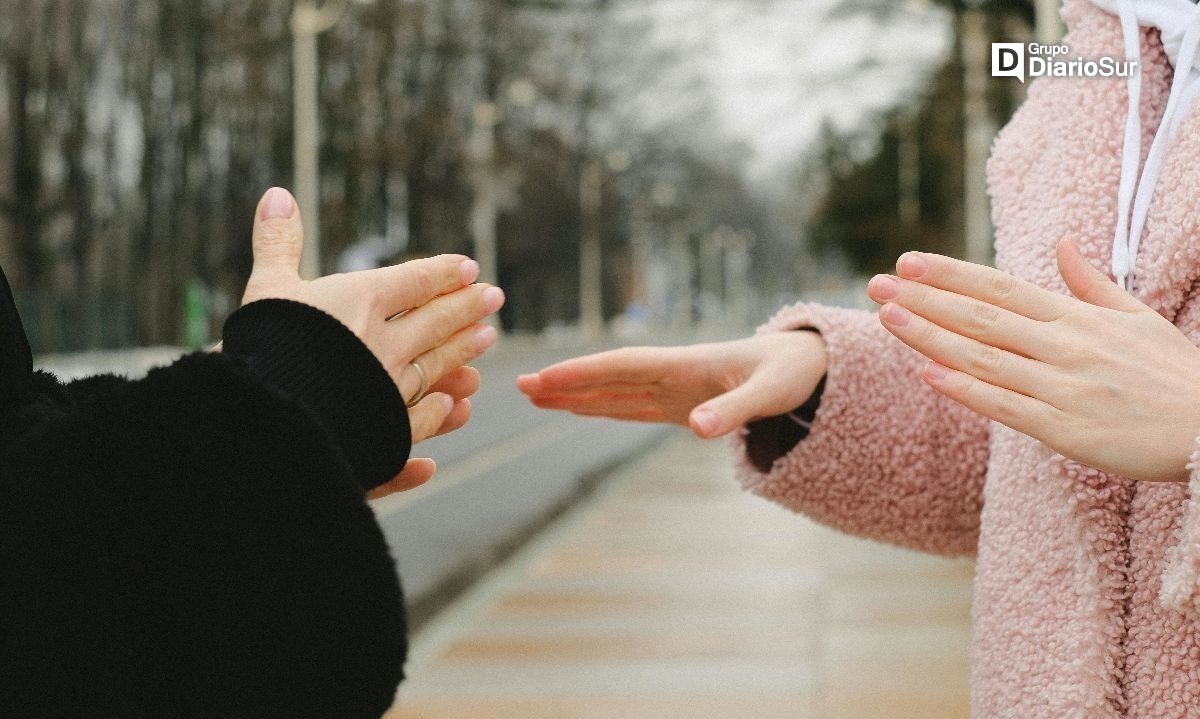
(653, 164)
(628, 171)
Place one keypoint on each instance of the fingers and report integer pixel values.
(1013, 409)
(643, 413)
(431, 324)
(725, 412)
(616, 404)
(626, 365)
(990, 364)
(459, 384)
(457, 419)
(1091, 285)
(428, 415)
(415, 473)
(412, 284)
(535, 388)
(278, 237)
(530, 384)
(966, 316)
(983, 283)
(439, 362)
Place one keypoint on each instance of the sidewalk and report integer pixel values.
(671, 593)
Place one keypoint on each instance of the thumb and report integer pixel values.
(278, 238)
(724, 413)
(415, 473)
(1089, 284)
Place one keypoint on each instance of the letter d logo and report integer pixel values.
(1008, 60)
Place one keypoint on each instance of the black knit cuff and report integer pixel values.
(315, 359)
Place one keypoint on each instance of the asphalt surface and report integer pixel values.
(500, 478)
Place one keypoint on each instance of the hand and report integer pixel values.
(1102, 379)
(713, 388)
(453, 390)
(440, 326)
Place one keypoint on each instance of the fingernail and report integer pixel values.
(277, 204)
(707, 420)
(493, 299)
(883, 288)
(447, 403)
(912, 265)
(894, 315)
(936, 372)
(468, 271)
(485, 337)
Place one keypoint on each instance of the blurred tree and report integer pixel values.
(859, 218)
(136, 137)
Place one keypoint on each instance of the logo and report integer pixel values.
(1008, 60)
(1022, 61)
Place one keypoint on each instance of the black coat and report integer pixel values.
(197, 543)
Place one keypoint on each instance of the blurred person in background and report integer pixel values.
(1047, 419)
(198, 543)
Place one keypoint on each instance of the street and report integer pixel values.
(500, 478)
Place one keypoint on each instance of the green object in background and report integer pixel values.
(195, 314)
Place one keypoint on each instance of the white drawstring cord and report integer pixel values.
(1179, 24)
(1131, 155)
(1181, 87)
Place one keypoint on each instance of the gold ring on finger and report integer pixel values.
(424, 386)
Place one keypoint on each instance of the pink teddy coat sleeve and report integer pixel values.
(887, 458)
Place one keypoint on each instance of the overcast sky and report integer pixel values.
(772, 70)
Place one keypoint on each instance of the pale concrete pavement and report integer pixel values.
(671, 593)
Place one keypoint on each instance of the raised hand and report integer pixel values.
(713, 388)
(439, 323)
(1099, 377)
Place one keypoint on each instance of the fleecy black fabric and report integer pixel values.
(193, 544)
(312, 357)
(16, 359)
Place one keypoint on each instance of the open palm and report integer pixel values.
(427, 311)
(713, 388)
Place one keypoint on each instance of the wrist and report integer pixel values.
(815, 350)
(804, 350)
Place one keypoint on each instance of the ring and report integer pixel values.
(422, 389)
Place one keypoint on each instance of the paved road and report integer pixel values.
(670, 592)
(499, 478)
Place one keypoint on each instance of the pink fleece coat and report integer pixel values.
(1087, 595)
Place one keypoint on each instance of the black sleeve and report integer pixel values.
(197, 544)
(313, 358)
(770, 438)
